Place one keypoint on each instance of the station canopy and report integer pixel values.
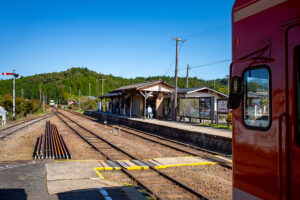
(151, 86)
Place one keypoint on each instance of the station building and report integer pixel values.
(132, 100)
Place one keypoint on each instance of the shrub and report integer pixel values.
(229, 118)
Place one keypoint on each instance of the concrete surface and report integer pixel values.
(181, 160)
(71, 170)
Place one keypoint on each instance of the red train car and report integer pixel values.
(265, 98)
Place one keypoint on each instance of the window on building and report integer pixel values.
(256, 110)
(205, 107)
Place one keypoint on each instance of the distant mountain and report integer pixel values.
(57, 85)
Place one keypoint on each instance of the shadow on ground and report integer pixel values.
(16, 194)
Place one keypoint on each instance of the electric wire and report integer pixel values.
(204, 65)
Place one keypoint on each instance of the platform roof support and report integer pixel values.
(145, 95)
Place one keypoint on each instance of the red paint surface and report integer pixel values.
(7, 73)
(267, 163)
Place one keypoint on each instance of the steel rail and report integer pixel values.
(14, 125)
(61, 153)
(35, 153)
(187, 188)
(108, 158)
(223, 164)
(51, 144)
(160, 137)
(2, 137)
(66, 148)
(52, 148)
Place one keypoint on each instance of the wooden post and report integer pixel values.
(145, 106)
(146, 95)
(130, 110)
(187, 76)
(176, 72)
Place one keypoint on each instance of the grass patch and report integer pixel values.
(80, 111)
(220, 126)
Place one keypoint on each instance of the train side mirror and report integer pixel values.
(236, 92)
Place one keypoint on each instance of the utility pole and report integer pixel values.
(40, 93)
(227, 85)
(89, 89)
(70, 93)
(97, 88)
(43, 101)
(187, 76)
(79, 98)
(102, 83)
(176, 72)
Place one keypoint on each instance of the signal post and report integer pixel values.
(14, 91)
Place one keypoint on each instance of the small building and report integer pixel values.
(132, 100)
(72, 102)
(92, 97)
(198, 102)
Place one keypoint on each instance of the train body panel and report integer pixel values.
(266, 156)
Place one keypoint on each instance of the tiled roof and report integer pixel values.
(140, 85)
(197, 89)
(111, 94)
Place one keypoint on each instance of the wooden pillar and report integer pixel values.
(130, 113)
(146, 95)
(145, 99)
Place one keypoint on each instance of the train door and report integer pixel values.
(293, 140)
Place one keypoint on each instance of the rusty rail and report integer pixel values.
(51, 145)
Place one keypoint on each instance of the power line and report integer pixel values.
(222, 61)
(204, 65)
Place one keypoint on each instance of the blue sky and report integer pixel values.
(123, 38)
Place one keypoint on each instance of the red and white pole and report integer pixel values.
(14, 91)
(14, 97)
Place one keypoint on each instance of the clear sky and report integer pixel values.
(124, 38)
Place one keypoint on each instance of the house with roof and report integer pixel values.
(203, 99)
(132, 100)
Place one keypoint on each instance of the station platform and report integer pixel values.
(219, 140)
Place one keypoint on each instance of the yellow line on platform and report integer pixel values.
(99, 174)
(102, 177)
(185, 164)
(74, 160)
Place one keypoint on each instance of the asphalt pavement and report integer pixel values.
(27, 181)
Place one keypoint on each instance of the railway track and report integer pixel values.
(179, 146)
(5, 132)
(158, 183)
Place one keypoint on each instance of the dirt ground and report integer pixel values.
(213, 181)
(20, 146)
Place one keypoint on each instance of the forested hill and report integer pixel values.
(56, 85)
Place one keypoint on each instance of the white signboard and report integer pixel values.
(222, 106)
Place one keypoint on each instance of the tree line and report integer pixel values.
(57, 85)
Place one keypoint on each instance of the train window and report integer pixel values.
(256, 109)
(297, 69)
